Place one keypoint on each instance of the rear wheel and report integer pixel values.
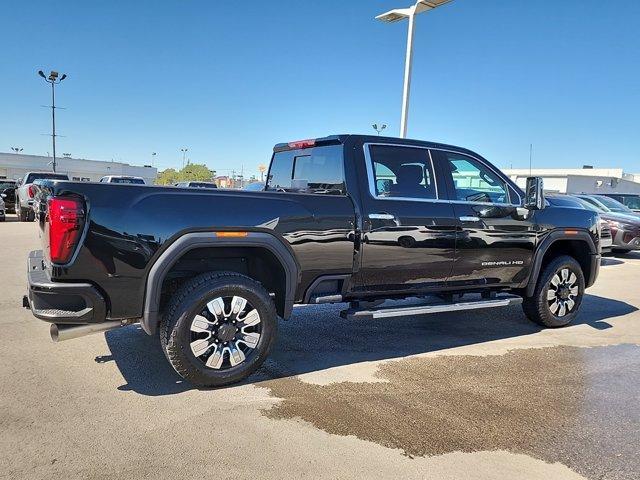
(218, 328)
(558, 294)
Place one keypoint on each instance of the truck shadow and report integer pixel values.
(317, 338)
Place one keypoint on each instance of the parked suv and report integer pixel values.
(625, 228)
(346, 218)
(26, 192)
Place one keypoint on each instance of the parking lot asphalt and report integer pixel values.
(478, 395)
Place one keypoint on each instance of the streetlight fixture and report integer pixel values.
(66, 155)
(379, 128)
(17, 149)
(53, 80)
(184, 155)
(153, 156)
(396, 15)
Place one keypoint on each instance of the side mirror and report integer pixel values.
(534, 194)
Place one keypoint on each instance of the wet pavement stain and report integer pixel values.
(576, 406)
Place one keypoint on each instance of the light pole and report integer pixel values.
(17, 149)
(379, 128)
(184, 155)
(153, 157)
(410, 13)
(53, 80)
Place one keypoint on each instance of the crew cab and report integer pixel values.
(345, 218)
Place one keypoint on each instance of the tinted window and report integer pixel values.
(595, 203)
(311, 170)
(474, 181)
(401, 172)
(134, 181)
(202, 185)
(39, 176)
(632, 202)
(565, 202)
(5, 185)
(613, 205)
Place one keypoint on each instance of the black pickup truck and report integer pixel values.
(345, 218)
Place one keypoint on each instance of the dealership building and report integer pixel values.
(15, 165)
(580, 180)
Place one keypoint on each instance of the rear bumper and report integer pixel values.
(73, 303)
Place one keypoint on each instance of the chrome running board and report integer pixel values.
(389, 312)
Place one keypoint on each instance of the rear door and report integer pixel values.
(496, 238)
(409, 231)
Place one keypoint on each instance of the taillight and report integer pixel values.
(31, 191)
(66, 219)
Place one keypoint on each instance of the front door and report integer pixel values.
(409, 235)
(496, 240)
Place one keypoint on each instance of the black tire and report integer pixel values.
(191, 299)
(538, 308)
(31, 215)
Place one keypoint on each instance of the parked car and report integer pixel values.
(625, 229)
(607, 203)
(123, 179)
(211, 271)
(2, 210)
(606, 238)
(25, 193)
(255, 187)
(629, 200)
(8, 189)
(196, 185)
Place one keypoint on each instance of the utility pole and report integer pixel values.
(184, 155)
(53, 80)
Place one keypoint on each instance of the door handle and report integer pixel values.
(469, 219)
(381, 216)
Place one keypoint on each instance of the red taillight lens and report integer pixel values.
(303, 143)
(66, 219)
(31, 191)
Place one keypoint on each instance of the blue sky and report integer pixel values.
(229, 79)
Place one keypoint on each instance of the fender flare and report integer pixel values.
(549, 240)
(191, 241)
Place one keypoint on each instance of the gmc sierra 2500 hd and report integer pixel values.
(345, 218)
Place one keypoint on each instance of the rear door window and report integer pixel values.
(313, 170)
(402, 172)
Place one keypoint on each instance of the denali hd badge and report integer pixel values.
(504, 263)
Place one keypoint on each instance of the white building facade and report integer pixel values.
(14, 166)
(579, 180)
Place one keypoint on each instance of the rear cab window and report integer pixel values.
(317, 170)
(45, 176)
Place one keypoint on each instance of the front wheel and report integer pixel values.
(558, 293)
(218, 328)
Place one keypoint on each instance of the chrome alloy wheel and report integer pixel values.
(225, 332)
(562, 293)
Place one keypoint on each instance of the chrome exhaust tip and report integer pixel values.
(62, 332)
